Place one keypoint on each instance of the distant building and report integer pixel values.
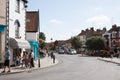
(115, 36)
(84, 35)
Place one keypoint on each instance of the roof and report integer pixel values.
(114, 28)
(32, 21)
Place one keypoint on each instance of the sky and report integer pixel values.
(63, 19)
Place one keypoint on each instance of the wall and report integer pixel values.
(2, 34)
(2, 11)
(17, 16)
(32, 36)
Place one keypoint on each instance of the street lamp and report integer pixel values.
(51, 40)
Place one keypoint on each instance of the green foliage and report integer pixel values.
(76, 43)
(95, 43)
(43, 45)
(56, 43)
(42, 39)
(42, 36)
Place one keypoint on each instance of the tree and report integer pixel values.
(42, 39)
(95, 43)
(75, 42)
(56, 43)
(42, 36)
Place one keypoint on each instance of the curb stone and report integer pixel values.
(29, 70)
(109, 61)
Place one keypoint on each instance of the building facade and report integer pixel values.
(32, 31)
(2, 29)
(115, 36)
(12, 28)
(17, 28)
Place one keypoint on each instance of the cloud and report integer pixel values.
(98, 19)
(55, 21)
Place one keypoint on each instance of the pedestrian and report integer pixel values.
(23, 58)
(31, 59)
(7, 60)
(51, 55)
(26, 60)
(53, 58)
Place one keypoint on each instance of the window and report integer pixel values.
(17, 6)
(114, 34)
(17, 26)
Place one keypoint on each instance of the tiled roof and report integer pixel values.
(32, 21)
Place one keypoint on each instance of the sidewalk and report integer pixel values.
(44, 62)
(112, 60)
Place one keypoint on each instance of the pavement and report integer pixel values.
(44, 62)
(111, 60)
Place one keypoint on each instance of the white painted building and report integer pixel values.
(17, 13)
(16, 28)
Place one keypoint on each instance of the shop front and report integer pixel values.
(35, 48)
(17, 47)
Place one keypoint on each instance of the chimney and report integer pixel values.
(114, 26)
(92, 29)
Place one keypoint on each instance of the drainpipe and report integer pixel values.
(7, 25)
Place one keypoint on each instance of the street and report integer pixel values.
(72, 67)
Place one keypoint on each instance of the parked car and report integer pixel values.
(72, 51)
(61, 51)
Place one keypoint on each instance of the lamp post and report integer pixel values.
(39, 58)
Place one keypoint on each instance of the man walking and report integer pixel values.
(7, 60)
(31, 59)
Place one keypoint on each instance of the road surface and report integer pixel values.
(71, 67)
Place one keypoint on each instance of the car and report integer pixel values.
(72, 51)
(61, 51)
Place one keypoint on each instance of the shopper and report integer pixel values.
(7, 60)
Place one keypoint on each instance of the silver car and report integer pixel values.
(72, 51)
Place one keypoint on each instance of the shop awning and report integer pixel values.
(2, 28)
(35, 43)
(19, 43)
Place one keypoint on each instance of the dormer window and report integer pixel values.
(17, 6)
